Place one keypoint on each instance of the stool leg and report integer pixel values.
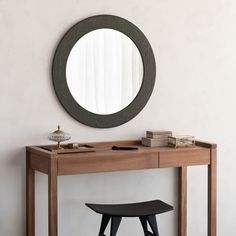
(153, 224)
(143, 220)
(115, 222)
(105, 221)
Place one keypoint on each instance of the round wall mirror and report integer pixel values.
(103, 71)
(104, 63)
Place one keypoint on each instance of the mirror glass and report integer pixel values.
(104, 71)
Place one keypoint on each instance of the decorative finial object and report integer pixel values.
(59, 136)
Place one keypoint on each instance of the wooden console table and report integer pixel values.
(106, 160)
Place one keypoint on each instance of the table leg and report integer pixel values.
(52, 198)
(182, 205)
(30, 198)
(212, 192)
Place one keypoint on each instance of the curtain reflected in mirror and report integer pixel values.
(104, 71)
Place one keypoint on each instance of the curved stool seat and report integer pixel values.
(131, 209)
(146, 212)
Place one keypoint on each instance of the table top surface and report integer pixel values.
(105, 148)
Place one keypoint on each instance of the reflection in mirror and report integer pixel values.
(104, 71)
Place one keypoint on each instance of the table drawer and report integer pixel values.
(117, 161)
(184, 158)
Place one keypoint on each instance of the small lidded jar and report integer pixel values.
(59, 136)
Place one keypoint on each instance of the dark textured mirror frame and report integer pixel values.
(59, 71)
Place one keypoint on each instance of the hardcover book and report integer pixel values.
(158, 134)
(151, 142)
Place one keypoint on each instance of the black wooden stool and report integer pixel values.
(146, 211)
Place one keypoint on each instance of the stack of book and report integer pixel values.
(156, 138)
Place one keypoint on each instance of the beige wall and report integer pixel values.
(195, 49)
